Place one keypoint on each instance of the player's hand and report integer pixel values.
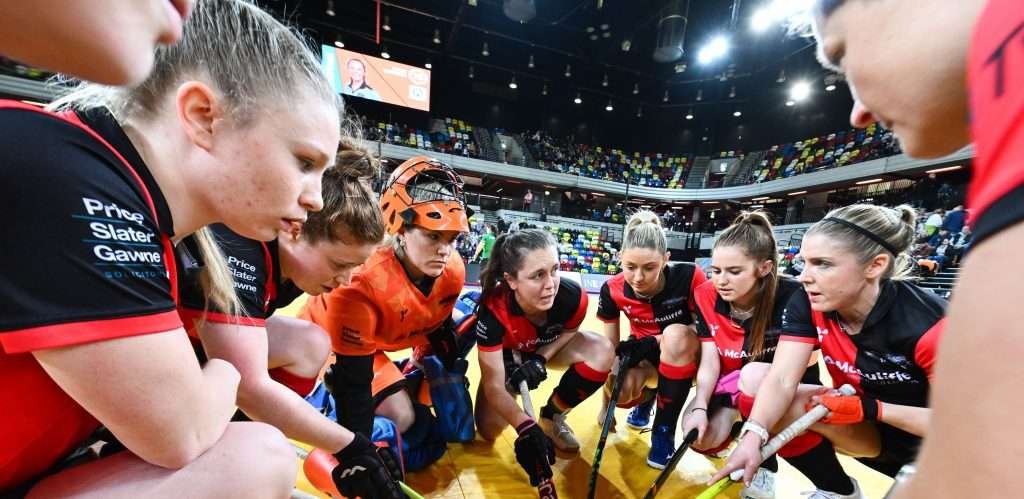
(367, 471)
(746, 457)
(532, 371)
(535, 452)
(636, 350)
(847, 409)
(696, 420)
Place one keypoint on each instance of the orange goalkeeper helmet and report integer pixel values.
(426, 193)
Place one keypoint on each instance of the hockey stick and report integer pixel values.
(303, 454)
(671, 465)
(782, 438)
(546, 487)
(620, 376)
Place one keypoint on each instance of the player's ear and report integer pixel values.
(509, 281)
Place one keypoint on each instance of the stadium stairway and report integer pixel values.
(527, 155)
(699, 173)
(488, 149)
(741, 175)
(943, 282)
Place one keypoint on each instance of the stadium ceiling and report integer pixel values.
(594, 41)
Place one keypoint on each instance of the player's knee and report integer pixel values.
(678, 345)
(601, 353)
(263, 455)
(400, 412)
(751, 376)
(316, 346)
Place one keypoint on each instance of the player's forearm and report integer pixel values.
(270, 402)
(907, 418)
(707, 378)
(773, 398)
(502, 402)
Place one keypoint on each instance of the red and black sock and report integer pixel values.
(673, 387)
(815, 457)
(578, 383)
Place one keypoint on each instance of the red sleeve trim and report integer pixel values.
(799, 339)
(76, 333)
(191, 317)
(696, 282)
(928, 346)
(581, 312)
(489, 348)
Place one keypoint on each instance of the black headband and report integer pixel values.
(864, 232)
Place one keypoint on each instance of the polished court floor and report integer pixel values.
(484, 469)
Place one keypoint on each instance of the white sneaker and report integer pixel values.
(824, 494)
(762, 486)
(560, 432)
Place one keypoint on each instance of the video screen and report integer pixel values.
(361, 75)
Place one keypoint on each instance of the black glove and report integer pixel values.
(534, 451)
(367, 471)
(444, 344)
(531, 370)
(638, 350)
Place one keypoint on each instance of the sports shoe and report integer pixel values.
(640, 416)
(762, 486)
(560, 433)
(662, 447)
(824, 494)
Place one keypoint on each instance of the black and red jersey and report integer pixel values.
(891, 358)
(256, 269)
(88, 258)
(732, 338)
(996, 84)
(501, 323)
(650, 316)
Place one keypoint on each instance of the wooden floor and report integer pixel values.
(483, 469)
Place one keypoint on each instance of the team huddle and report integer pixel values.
(156, 229)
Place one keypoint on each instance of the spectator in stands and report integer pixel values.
(357, 85)
(931, 226)
(961, 241)
(938, 237)
(954, 221)
(527, 200)
(939, 254)
(483, 248)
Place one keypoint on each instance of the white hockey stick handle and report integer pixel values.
(795, 428)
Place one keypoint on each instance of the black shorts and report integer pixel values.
(898, 448)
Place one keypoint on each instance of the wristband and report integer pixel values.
(756, 429)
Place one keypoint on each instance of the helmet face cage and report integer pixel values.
(426, 193)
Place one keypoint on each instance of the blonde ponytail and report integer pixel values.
(217, 281)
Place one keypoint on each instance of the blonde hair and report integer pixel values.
(895, 226)
(644, 230)
(251, 60)
(752, 232)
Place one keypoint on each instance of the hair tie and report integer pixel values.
(864, 232)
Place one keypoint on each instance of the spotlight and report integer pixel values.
(732, 92)
(716, 48)
(636, 88)
(384, 52)
(700, 94)
(737, 113)
(387, 24)
(782, 76)
(428, 65)
(790, 103)
(529, 63)
(544, 89)
(604, 83)
(800, 91)
(330, 8)
(640, 112)
(568, 70)
(338, 42)
(609, 107)
(512, 84)
(664, 98)
(578, 99)
(761, 20)
(471, 75)
(689, 114)
(485, 52)
(437, 36)
(830, 87)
